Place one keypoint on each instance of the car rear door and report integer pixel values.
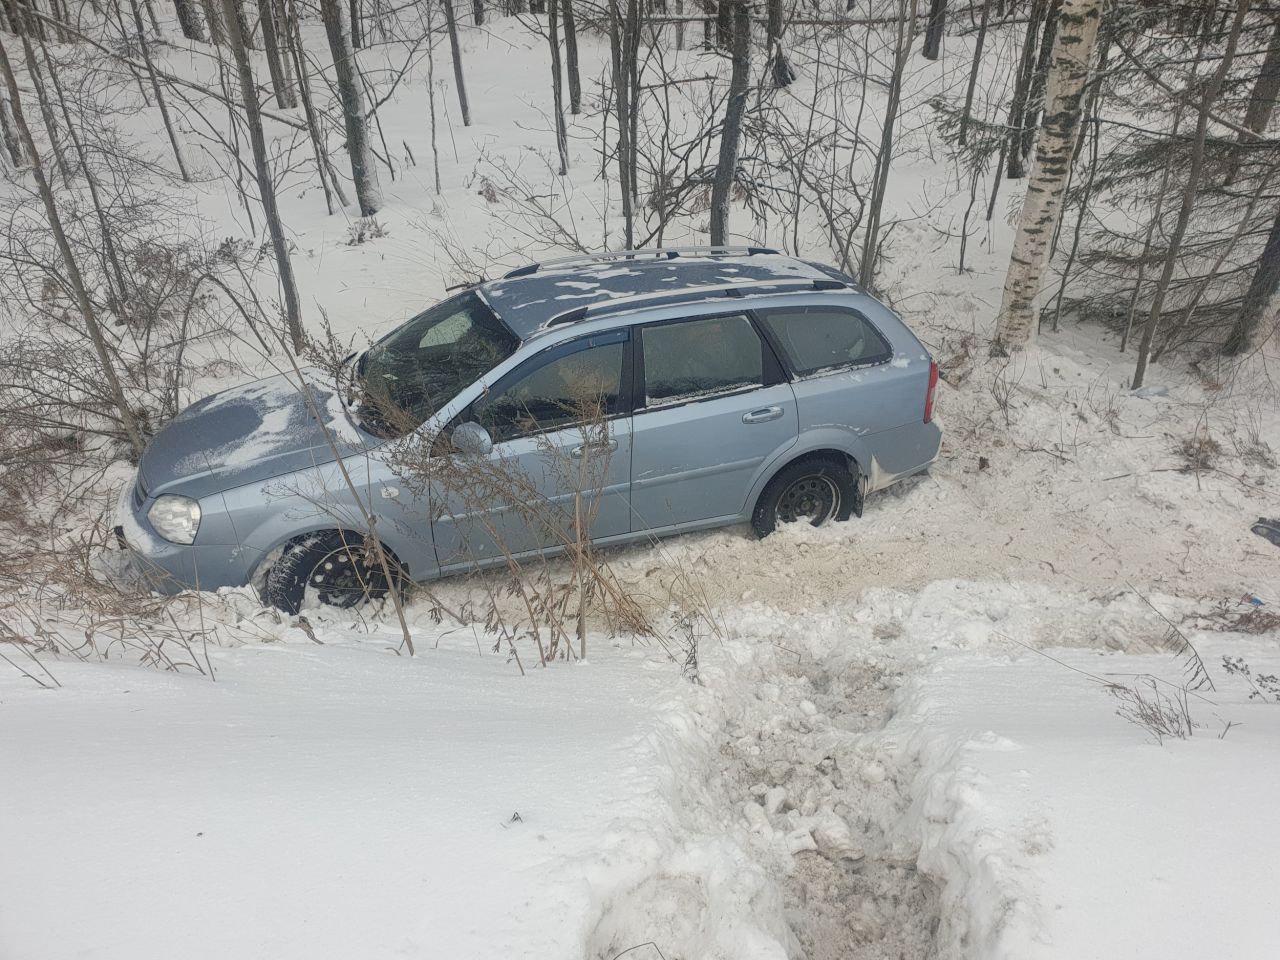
(711, 406)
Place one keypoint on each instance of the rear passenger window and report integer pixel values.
(697, 358)
(819, 338)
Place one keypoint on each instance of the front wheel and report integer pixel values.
(816, 491)
(337, 569)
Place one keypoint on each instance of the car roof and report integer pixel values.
(530, 298)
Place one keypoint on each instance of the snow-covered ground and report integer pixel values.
(872, 758)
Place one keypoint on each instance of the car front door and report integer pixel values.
(561, 458)
(711, 405)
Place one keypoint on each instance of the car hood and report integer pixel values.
(248, 434)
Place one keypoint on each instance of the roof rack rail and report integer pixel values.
(725, 290)
(669, 253)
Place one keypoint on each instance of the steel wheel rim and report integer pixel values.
(814, 498)
(342, 578)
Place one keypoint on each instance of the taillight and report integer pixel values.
(933, 388)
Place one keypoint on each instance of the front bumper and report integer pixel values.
(173, 567)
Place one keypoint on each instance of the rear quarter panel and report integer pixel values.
(875, 413)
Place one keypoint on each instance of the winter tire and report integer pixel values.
(336, 568)
(814, 490)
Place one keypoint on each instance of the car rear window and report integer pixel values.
(691, 359)
(821, 338)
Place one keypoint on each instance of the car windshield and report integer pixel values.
(412, 372)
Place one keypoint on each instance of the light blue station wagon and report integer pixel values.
(733, 385)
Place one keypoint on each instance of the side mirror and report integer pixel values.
(472, 439)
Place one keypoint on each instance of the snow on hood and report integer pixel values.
(248, 434)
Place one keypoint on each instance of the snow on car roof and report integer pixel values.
(527, 303)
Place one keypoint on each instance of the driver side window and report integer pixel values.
(574, 383)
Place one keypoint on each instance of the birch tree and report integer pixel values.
(1055, 147)
(350, 91)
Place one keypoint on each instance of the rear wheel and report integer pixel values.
(817, 491)
(337, 569)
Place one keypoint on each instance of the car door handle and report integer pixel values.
(763, 415)
(607, 446)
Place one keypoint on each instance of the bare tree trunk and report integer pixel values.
(624, 29)
(1189, 192)
(189, 19)
(571, 57)
(1261, 292)
(145, 48)
(213, 17)
(9, 132)
(283, 89)
(456, 50)
(127, 419)
(108, 241)
(477, 12)
(902, 50)
(935, 29)
(981, 41)
(266, 189)
(242, 18)
(328, 180)
(731, 133)
(357, 27)
(1055, 148)
(1021, 90)
(431, 103)
(557, 94)
(46, 109)
(1262, 102)
(364, 173)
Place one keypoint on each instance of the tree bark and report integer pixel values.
(280, 85)
(1189, 192)
(262, 172)
(1039, 80)
(731, 134)
(456, 50)
(1021, 89)
(1261, 292)
(357, 25)
(884, 158)
(114, 269)
(128, 421)
(935, 29)
(189, 19)
(1262, 102)
(967, 113)
(329, 182)
(571, 57)
(9, 132)
(145, 48)
(46, 108)
(364, 173)
(477, 12)
(557, 93)
(213, 17)
(1055, 147)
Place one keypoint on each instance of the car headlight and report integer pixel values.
(175, 518)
